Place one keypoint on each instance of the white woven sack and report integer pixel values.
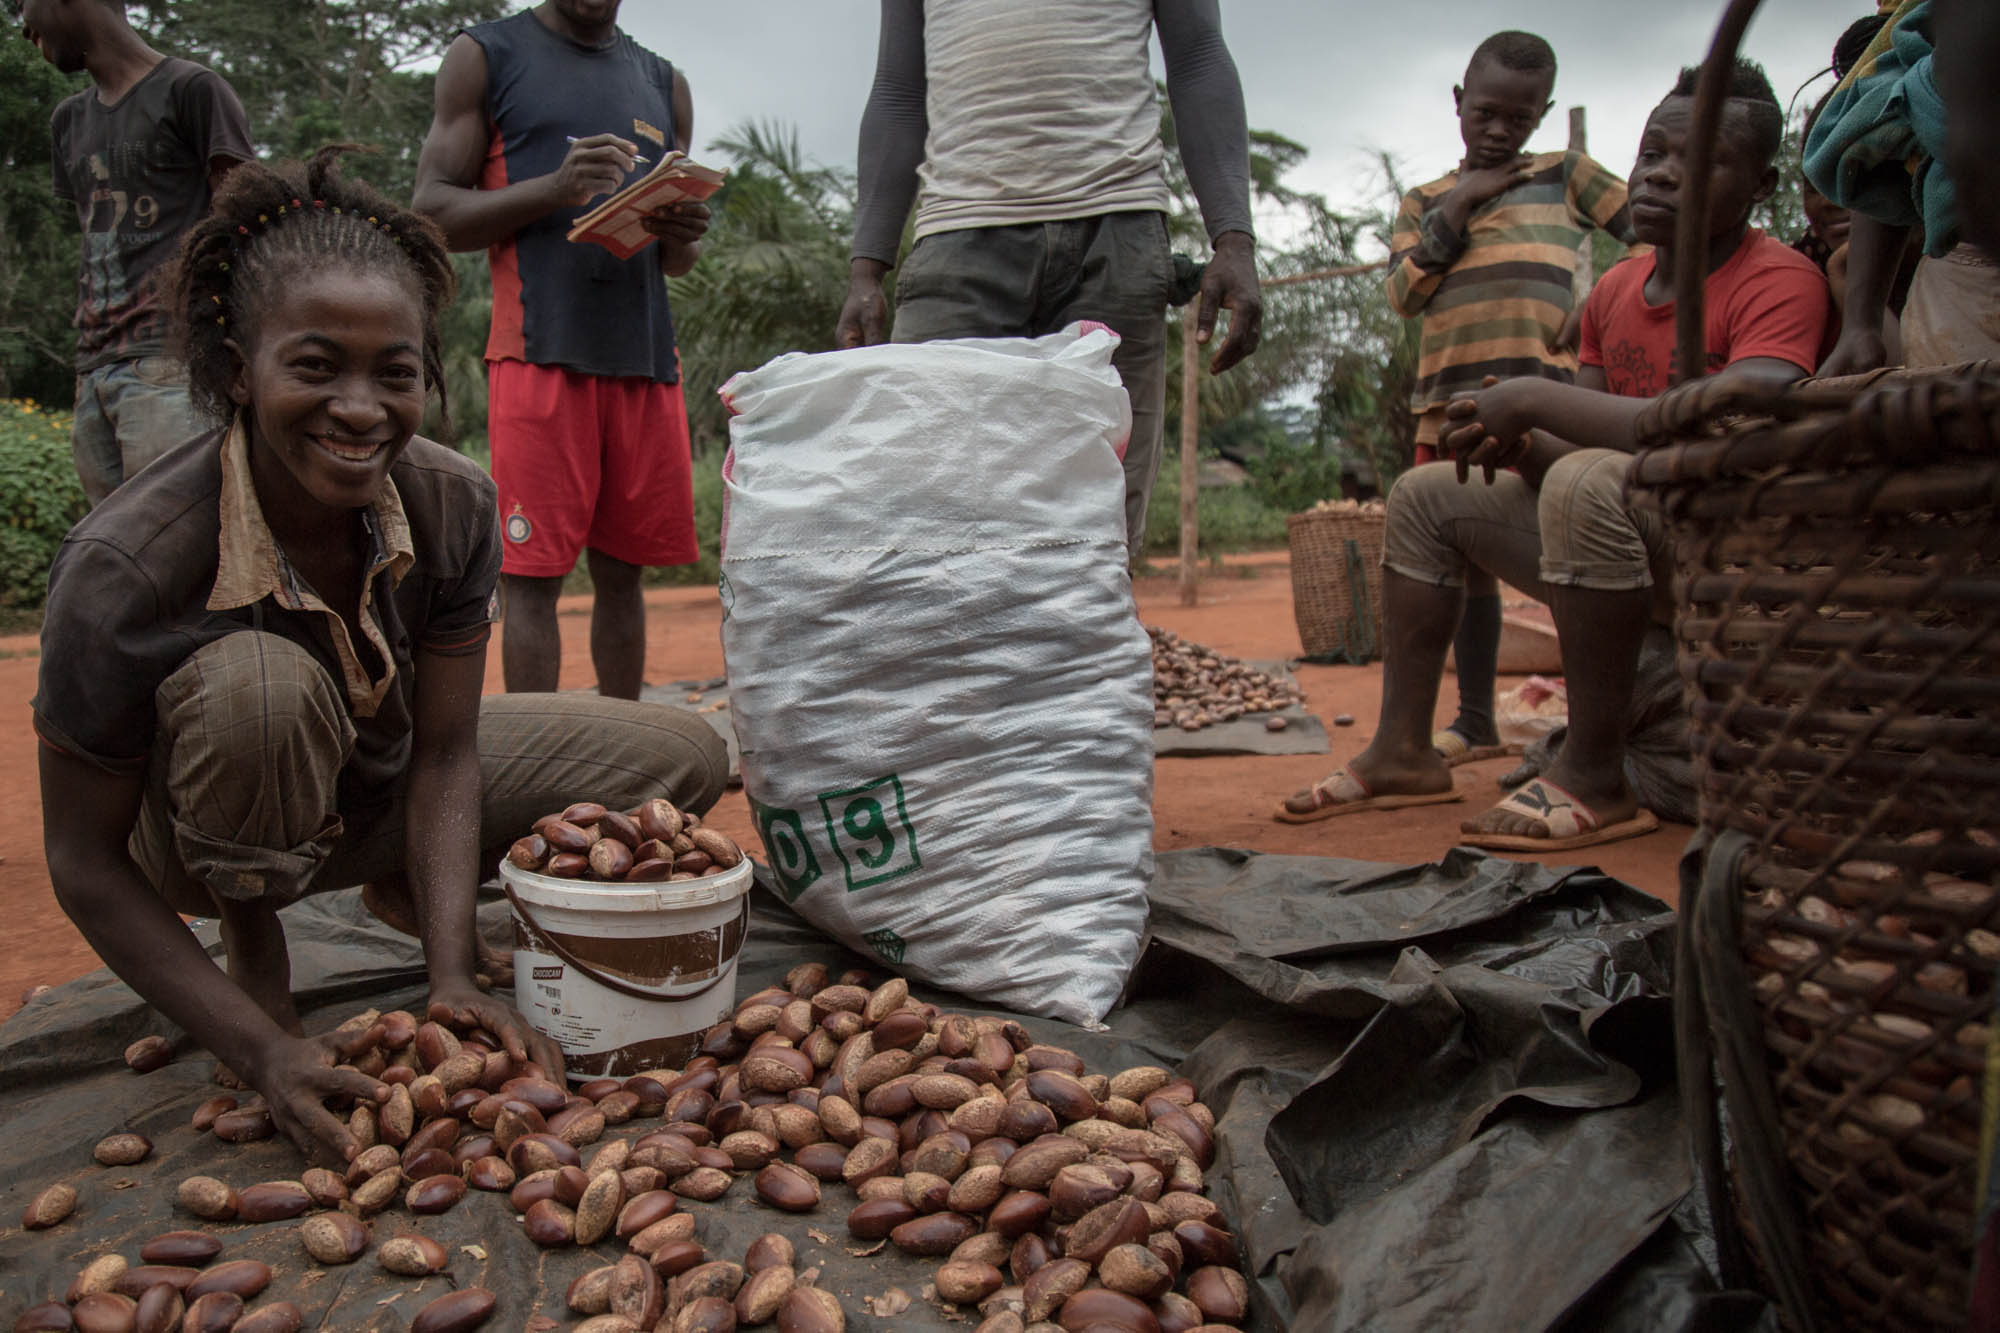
(941, 689)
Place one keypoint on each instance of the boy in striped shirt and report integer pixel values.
(1487, 257)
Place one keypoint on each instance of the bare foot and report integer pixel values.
(1608, 804)
(389, 901)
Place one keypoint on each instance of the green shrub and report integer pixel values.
(1231, 518)
(39, 494)
(1292, 478)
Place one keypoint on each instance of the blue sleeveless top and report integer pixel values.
(555, 302)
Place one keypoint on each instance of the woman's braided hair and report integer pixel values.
(270, 224)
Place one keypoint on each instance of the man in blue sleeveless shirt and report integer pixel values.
(537, 116)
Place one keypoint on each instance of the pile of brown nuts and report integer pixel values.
(1056, 1198)
(1196, 687)
(653, 841)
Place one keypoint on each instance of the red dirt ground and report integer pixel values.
(1245, 610)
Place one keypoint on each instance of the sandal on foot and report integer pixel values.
(1344, 793)
(1454, 749)
(1570, 823)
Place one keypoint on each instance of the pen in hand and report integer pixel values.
(637, 160)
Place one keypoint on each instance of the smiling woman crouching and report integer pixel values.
(262, 657)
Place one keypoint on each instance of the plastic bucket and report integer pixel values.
(626, 977)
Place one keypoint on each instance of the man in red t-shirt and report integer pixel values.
(1560, 527)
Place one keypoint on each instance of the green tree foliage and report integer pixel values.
(773, 269)
(38, 238)
(314, 72)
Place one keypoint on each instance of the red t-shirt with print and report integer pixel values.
(1768, 300)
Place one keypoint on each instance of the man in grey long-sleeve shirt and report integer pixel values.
(1033, 130)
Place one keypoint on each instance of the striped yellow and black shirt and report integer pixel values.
(1494, 298)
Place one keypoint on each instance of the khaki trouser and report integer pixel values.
(253, 733)
(1576, 531)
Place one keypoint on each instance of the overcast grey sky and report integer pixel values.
(1343, 79)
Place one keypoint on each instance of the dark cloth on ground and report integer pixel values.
(1444, 1097)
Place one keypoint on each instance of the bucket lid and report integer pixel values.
(589, 895)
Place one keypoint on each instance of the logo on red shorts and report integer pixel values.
(518, 528)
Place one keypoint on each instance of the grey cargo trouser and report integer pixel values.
(1026, 281)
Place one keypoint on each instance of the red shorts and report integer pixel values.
(588, 461)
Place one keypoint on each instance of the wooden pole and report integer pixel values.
(1584, 276)
(1191, 418)
(1190, 465)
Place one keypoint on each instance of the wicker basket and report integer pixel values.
(1839, 624)
(1337, 583)
(1839, 627)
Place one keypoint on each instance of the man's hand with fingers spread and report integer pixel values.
(296, 1076)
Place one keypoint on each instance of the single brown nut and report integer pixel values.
(212, 1312)
(435, 1194)
(900, 1031)
(207, 1198)
(635, 1292)
(455, 1312)
(562, 836)
(719, 849)
(1097, 1307)
(785, 1186)
(926, 1192)
(159, 1309)
(1222, 1294)
(976, 1190)
(149, 1053)
(1018, 1213)
(810, 1310)
(1205, 1244)
(757, 1301)
(770, 1250)
(1045, 1290)
(658, 818)
(246, 1124)
(705, 1184)
(934, 1234)
(100, 1274)
(1139, 1082)
(241, 1277)
(717, 1278)
(988, 1247)
(606, 1323)
(279, 1317)
(528, 853)
(272, 1201)
(371, 1162)
(1099, 1231)
(324, 1187)
(489, 1173)
(869, 1158)
(641, 1211)
(876, 1218)
(678, 1256)
(776, 1069)
(590, 1293)
(122, 1149)
(1026, 1120)
(412, 1256)
(1081, 1187)
(706, 1314)
(567, 865)
(610, 858)
(333, 1238)
(1136, 1271)
(655, 1238)
(376, 1193)
(134, 1282)
(204, 1115)
(748, 1149)
(1035, 1165)
(966, 1283)
(49, 1207)
(549, 1224)
(881, 1187)
(48, 1317)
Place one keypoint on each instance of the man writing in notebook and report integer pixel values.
(537, 117)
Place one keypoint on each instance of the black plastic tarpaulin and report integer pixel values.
(1445, 1100)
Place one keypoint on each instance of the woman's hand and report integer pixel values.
(463, 1004)
(296, 1076)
